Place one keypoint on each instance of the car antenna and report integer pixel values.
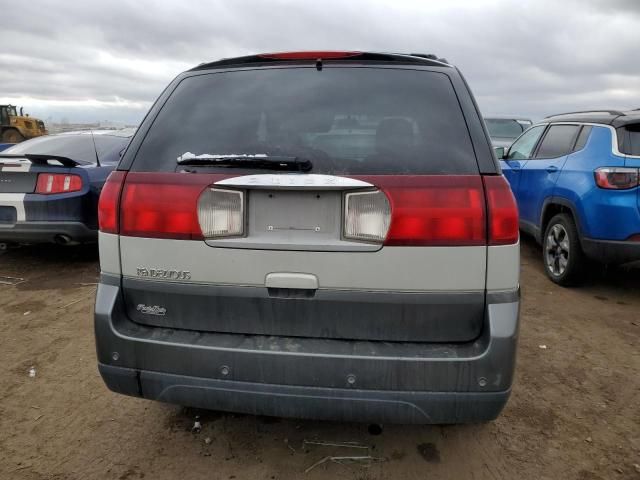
(95, 148)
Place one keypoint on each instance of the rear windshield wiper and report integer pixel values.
(260, 160)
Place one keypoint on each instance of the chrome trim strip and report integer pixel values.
(294, 181)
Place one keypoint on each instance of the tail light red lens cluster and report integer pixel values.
(427, 210)
(162, 205)
(154, 205)
(109, 203)
(51, 183)
(617, 178)
(503, 211)
(434, 210)
(452, 210)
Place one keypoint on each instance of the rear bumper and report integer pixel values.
(612, 252)
(373, 406)
(392, 382)
(47, 232)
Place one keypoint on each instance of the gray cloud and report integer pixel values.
(109, 60)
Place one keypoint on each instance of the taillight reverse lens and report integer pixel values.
(221, 213)
(367, 216)
(109, 202)
(51, 183)
(617, 178)
(503, 211)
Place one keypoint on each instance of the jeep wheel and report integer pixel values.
(12, 136)
(561, 251)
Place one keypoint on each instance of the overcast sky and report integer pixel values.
(109, 60)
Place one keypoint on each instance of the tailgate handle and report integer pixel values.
(297, 281)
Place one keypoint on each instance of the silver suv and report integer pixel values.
(312, 234)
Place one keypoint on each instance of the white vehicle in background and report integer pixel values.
(503, 130)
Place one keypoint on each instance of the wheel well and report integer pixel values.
(550, 211)
(10, 128)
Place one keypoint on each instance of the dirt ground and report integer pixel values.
(574, 412)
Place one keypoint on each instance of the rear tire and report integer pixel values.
(562, 255)
(12, 136)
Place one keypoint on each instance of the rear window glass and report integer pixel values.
(582, 138)
(631, 144)
(505, 128)
(75, 147)
(344, 120)
(557, 141)
(109, 147)
(523, 146)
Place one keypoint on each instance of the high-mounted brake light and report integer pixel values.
(110, 201)
(51, 183)
(313, 55)
(617, 178)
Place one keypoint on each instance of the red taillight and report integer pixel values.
(617, 178)
(50, 183)
(434, 210)
(109, 202)
(503, 211)
(451, 210)
(308, 55)
(162, 205)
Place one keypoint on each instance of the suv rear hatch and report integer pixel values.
(629, 145)
(342, 202)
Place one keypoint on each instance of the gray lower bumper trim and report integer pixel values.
(483, 365)
(613, 252)
(46, 232)
(338, 314)
(402, 382)
(308, 402)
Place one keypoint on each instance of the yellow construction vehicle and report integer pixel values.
(15, 128)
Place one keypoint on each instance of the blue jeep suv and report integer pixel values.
(576, 180)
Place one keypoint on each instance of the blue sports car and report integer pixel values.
(50, 185)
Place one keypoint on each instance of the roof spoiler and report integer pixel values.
(41, 159)
(410, 58)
